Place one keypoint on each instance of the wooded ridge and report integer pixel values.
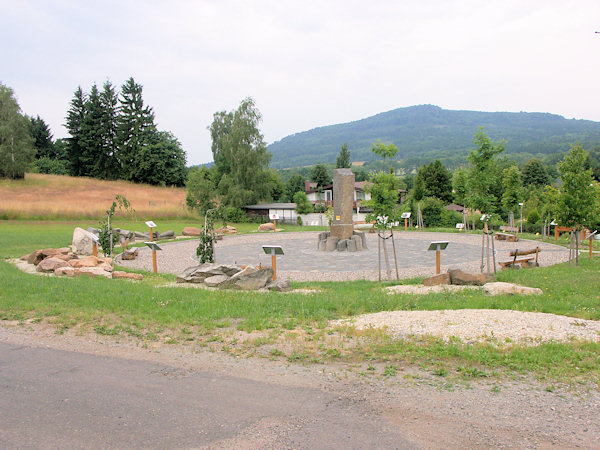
(427, 132)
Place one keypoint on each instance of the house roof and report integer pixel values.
(455, 207)
(271, 206)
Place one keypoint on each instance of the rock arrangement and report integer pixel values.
(63, 262)
(458, 277)
(232, 276)
(328, 243)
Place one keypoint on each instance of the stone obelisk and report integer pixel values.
(343, 199)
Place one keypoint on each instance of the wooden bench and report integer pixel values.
(362, 225)
(510, 234)
(524, 262)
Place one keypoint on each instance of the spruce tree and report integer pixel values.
(91, 135)
(108, 165)
(135, 125)
(42, 138)
(75, 118)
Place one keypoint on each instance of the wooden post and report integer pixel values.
(438, 261)
(95, 249)
(591, 248)
(405, 224)
(274, 227)
(274, 264)
(556, 234)
(154, 268)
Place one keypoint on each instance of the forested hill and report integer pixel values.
(427, 132)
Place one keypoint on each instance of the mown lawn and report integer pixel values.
(295, 326)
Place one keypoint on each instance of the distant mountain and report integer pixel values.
(427, 132)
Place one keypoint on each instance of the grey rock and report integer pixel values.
(322, 246)
(358, 242)
(351, 246)
(331, 243)
(363, 238)
(249, 279)
(167, 235)
(129, 254)
(341, 245)
(215, 280)
(280, 285)
(199, 273)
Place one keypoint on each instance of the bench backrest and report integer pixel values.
(509, 229)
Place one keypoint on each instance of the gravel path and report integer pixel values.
(480, 324)
(302, 262)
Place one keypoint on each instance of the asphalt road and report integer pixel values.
(57, 399)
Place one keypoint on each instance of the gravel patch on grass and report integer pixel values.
(503, 326)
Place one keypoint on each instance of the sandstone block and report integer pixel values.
(191, 231)
(50, 264)
(82, 242)
(66, 271)
(499, 288)
(436, 280)
(462, 278)
(88, 261)
(266, 227)
(92, 272)
(342, 245)
(117, 274)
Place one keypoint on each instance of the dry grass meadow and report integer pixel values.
(41, 196)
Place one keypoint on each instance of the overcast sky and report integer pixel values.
(306, 64)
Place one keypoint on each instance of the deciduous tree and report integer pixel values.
(240, 155)
(320, 175)
(16, 143)
(481, 172)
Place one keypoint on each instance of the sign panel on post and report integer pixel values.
(150, 224)
(274, 216)
(405, 215)
(438, 246)
(273, 250)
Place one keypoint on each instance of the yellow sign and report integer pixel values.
(338, 218)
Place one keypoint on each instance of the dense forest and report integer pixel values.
(425, 133)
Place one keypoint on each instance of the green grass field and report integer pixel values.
(295, 326)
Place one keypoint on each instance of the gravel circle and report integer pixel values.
(479, 325)
(318, 266)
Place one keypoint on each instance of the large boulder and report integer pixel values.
(437, 280)
(199, 273)
(249, 279)
(191, 231)
(50, 264)
(266, 227)
(500, 288)
(462, 278)
(82, 242)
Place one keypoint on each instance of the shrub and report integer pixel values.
(232, 214)
(50, 166)
(533, 217)
(432, 210)
(303, 206)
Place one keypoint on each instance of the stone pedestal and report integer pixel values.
(343, 200)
